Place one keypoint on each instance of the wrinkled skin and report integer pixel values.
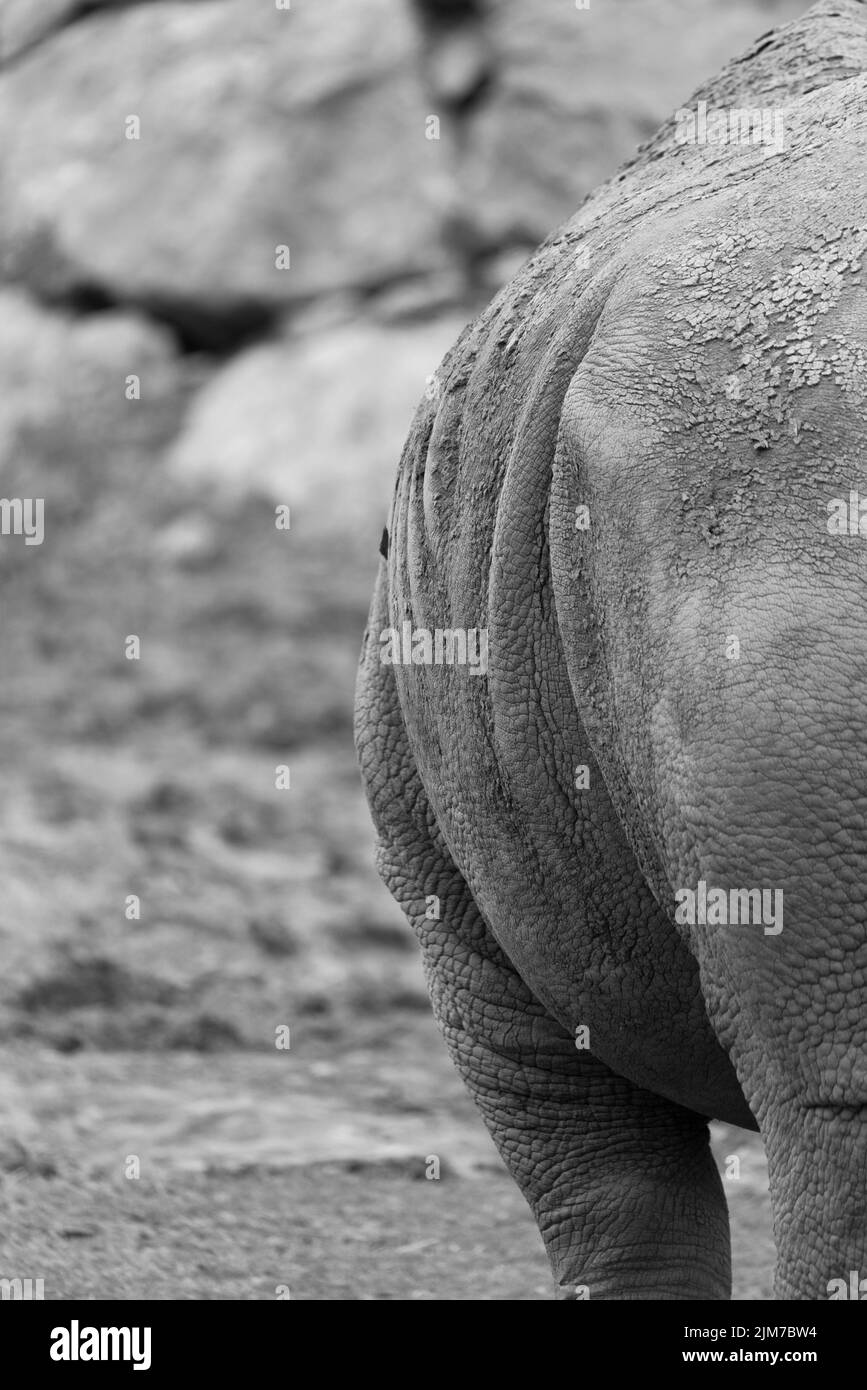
(686, 358)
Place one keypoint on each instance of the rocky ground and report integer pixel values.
(229, 258)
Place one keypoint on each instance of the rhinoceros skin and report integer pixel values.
(629, 476)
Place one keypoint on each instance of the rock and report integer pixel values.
(189, 542)
(16, 1158)
(64, 377)
(316, 422)
(273, 935)
(456, 51)
(259, 128)
(23, 23)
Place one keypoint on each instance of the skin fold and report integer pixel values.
(623, 474)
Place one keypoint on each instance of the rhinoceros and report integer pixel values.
(612, 704)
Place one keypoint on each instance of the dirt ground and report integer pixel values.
(310, 1184)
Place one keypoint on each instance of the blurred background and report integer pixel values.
(236, 236)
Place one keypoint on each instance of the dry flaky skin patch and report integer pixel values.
(767, 367)
(775, 334)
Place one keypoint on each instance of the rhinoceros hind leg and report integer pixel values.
(621, 1181)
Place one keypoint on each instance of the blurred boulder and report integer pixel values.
(65, 376)
(374, 141)
(317, 422)
(456, 51)
(22, 22)
(25, 22)
(258, 129)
